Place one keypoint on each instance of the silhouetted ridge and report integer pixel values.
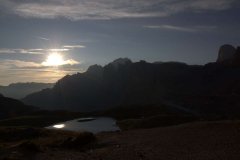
(120, 62)
(125, 83)
(95, 68)
(95, 71)
(120, 82)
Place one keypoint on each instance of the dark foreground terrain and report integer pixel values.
(198, 141)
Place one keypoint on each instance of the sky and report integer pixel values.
(86, 32)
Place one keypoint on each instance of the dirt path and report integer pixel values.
(196, 141)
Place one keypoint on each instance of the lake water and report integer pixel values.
(94, 125)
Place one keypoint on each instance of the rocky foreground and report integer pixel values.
(197, 141)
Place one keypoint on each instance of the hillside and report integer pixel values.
(11, 108)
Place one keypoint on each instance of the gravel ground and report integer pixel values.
(193, 141)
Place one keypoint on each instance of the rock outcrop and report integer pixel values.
(229, 56)
(226, 54)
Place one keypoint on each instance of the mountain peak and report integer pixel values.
(120, 61)
(94, 68)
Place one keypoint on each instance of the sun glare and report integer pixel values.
(54, 59)
(59, 126)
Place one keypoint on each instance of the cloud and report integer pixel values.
(28, 51)
(43, 38)
(181, 28)
(109, 9)
(71, 62)
(28, 75)
(19, 64)
(20, 51)
(57, 50)
(13, 71)
(61, 63)
(74, 46)
(65, 48)
(13, 64)
(171, 27)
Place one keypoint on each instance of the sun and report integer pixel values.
(54, 59)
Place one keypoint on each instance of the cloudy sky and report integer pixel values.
(85, 32)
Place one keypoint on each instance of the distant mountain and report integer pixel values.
(20, 90)
(123, 82)
(10, 108)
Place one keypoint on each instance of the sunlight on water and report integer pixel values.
(59, 126)
(90, 124)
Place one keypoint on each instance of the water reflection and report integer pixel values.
(94, 125)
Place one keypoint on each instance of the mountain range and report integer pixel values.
(20, 90)
(203, 88)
